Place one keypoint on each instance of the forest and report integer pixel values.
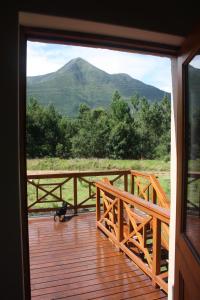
(131, 128)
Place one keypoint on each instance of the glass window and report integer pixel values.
(192, 146)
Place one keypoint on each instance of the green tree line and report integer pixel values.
(127, 129)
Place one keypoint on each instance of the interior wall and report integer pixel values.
(12, 283)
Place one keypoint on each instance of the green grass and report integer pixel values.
(159, 168)
(97, 164)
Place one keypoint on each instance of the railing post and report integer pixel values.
(154, 196)
(156, 248)
(37, 194)
(148, 194)
(132, 183)
(126, 182)
(98, 204)
(75, 195)
(120, 220)
(61, 192)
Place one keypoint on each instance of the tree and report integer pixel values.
(132, 128)
(122, 142)
(42, 129)
(120, 110)
(92, 134)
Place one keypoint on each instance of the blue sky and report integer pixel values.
(43, 58)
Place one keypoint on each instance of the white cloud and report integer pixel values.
(45, 58)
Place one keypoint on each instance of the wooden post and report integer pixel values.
(138, 188)
(144, 236)
(75, 195)
(37, 194)
(89, 190)
(132, 184)
(126, 182)
(61, 192)
(98, 204)
(148, 194)
(120, 220)
(156, 248)
(154, 196)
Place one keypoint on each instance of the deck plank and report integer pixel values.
(74, 260)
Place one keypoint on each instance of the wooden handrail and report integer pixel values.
(64, 174)
(138, 173)
(135, 227)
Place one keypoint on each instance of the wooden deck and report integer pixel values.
(74, 260)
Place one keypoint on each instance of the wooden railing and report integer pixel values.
(134, 225)
(48, 188)
(147, 187)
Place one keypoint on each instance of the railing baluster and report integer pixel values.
(126, 182)
(90, 190)
(98, 204)
(144, 236)
(61, 192)
(132, 183)
(37, 194)
(154, 196)
(156, 248)
(120, 220)
(75, 195)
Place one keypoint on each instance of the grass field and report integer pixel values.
(97, 164)
(157, 167)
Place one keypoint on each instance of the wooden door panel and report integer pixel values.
(187, 256)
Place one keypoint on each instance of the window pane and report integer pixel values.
(192, 141)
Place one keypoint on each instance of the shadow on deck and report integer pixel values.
(74, 260)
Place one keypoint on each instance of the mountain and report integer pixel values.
(80, 82)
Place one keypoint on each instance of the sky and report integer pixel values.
(195, 62)
(43, 58)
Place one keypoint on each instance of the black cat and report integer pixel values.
(61, 212)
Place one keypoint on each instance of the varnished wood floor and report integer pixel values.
(74, 260)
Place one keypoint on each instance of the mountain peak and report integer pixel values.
(73, 64)
(78, 60)
(79, 81)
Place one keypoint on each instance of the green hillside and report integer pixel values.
(80, 82)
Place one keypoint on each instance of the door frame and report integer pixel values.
(114, 42)
(189, 48)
